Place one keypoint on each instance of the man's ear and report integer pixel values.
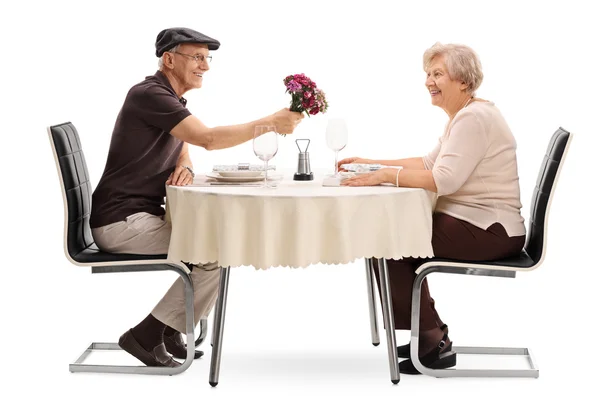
(463, 86)
(168, 59)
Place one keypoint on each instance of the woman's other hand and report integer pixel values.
(354, 160)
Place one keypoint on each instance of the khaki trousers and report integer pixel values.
(144, 233)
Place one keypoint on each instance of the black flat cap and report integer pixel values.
(168, 38)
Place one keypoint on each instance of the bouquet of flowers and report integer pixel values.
(306, 97)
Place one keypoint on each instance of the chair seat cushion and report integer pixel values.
(93, 255)
(521, 261)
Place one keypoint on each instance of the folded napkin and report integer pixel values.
(362, 168)
(200, 184)
(241, 167)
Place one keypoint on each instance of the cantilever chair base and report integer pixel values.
(474, 269)
(532, 372)
(79, 366)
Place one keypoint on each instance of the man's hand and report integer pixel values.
(181, 176)
(285, 121)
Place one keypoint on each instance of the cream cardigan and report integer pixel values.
(474, 167)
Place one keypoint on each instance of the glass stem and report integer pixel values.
(266, 171)
(335, 168)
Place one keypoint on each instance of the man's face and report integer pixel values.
(186, 70)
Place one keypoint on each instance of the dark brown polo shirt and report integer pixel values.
(142, 153)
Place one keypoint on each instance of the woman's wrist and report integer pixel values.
(389, 175)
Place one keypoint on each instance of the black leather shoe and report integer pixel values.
(158, 357)
(177, 348)
(404, 350)
(435, 359)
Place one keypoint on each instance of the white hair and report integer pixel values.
(462, 62)
(171, 50)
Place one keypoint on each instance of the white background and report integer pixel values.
(305, 332)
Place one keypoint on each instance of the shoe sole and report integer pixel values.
(447, 360)
(403, 354)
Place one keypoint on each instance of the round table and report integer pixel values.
(297, 223)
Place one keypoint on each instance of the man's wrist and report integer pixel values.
(268, 121)
(189, 169)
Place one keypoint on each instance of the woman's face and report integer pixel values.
(445, 92)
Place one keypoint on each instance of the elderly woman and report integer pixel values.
(473, 169)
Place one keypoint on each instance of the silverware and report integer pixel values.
(250, 184)
(235, 184)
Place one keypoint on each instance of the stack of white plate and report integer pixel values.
(237, 176)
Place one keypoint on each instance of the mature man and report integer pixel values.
(149, 147)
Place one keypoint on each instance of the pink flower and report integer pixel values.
(306, 97)
(293, 86)
(308, 103)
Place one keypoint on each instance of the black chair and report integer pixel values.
(530, 258)
(81, 250)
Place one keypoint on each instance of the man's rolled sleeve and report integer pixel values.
(159, 108)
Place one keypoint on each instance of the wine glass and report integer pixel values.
(337, 138)
(265, 145)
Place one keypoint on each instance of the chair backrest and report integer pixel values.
(543, 192)
(75, 182)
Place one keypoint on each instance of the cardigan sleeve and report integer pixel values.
(463, 149)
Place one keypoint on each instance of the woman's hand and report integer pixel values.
(370, 179)
(354, 160)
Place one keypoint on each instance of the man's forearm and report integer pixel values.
(191, 130)
(184, 158)
(185, 161)
(223, 137)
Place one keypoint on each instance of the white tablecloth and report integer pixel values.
(298, 224)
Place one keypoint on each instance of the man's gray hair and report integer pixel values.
(171, 50)
(461, 61)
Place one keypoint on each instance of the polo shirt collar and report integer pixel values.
(163, 78)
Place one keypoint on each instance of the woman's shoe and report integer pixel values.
(404, 350)
(435, 359)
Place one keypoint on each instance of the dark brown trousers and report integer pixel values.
(452, 238)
